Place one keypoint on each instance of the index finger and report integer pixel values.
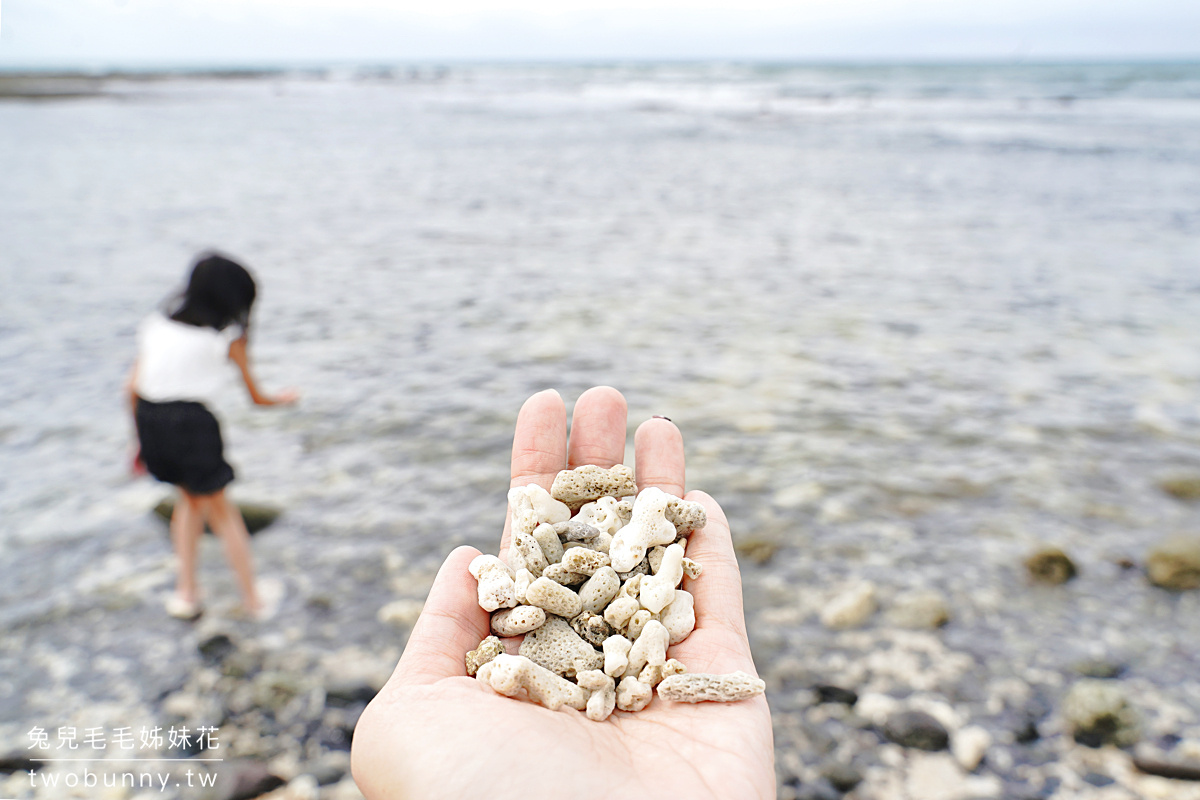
(539, 447)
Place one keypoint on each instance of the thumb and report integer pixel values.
(450, 624)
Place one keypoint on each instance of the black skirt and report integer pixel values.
(181, 444)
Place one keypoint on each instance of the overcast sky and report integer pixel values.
(149, 32)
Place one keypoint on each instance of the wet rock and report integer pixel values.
(1050, 565)
(1184, 487)
(214, 648)
(916, 729)
(827, 693)
(969, 746)
(1096, 712)
(841, 776)
(1176, 764)
(1026, 731)
(341, 693)
(257, 516)
(274, 690)
(1175, 563)
(243, 662)
(920, 609)
(756, 549)
(247, 779)
(1100, 668)
(1025, 727)
(319, 604)
(851, 608)
(18, 762)
(1096, 779)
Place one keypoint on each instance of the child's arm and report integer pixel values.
(237, 353)
(131, 389)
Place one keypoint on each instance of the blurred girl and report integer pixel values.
(183, 361)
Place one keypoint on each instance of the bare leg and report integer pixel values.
(226, 522)
(187, 526)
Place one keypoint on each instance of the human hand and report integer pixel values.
(433, 732)
(286, 397)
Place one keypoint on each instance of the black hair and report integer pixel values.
(219, 292)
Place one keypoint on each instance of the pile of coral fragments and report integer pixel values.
(592, 582)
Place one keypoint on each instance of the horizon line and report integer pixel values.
(281, 65)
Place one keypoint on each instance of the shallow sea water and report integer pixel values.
(911, 321)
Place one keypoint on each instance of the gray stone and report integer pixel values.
(1100, 668)
(1184, 487)
(1097, 712)
(215, 648)
(18, 762)
(841, 775)
(340, 692)
(920, 609)
(916, 729)
(1167, 765)
(257, 516)
(827, 693)
(1051, 565)
(1175, 563)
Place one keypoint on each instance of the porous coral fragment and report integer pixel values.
(599, 590)
(488, 649)
(658, 590)
(553, 598)
(518, 620)
(512, 675)
(647, 527)
(679, 618)
(557, 647)
(589, 482)
(700, 687)
(496, 586)
(603, 694)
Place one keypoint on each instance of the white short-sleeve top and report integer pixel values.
(182, 362)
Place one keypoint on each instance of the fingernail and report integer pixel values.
(660, 416)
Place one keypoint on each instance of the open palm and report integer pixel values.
(433, 732)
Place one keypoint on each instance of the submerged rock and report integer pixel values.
(827, 693)
(17, 761)
(1168, 766)
(1182, 487)
(850, 608)
(920, 609)
(970, 746)
(1097, 712)
(841, 775)
(756, 549)
(216, 648)
(257, 516)
(916, 729)
(1100, 668)
(1175, 563)
(1051, 565)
